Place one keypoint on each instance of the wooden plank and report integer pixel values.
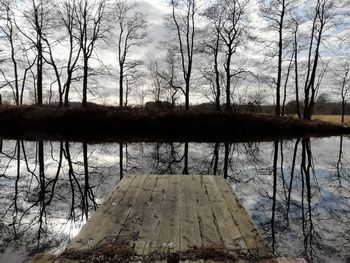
(242, 220)
(82, 238)
(211, 261)
(284, 260)
(149, 233)
(106, 224)
(209, 228)
(133, 223)
(170, 224)
(189, 225)
(228, 229)
(290, 260)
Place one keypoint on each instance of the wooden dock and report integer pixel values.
(172, 219)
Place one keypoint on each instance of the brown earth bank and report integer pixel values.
(103, 123)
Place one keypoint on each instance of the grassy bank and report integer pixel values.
(100, 123)
(332, 118)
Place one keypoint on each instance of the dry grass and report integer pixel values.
(118, 254)
(332, 118)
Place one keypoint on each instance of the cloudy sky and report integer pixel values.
(253, 55)
(156, 10)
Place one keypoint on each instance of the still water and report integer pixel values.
(296, 191)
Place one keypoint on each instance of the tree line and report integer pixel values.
(50, 47)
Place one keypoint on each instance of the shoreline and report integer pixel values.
(113, 124)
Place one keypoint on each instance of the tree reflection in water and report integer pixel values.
(296, 191)
(310, 207)
(43, 182)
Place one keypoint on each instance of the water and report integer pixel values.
(297, 191)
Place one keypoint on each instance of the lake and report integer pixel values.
(297, 191)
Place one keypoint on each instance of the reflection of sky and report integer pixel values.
(329, 206)
(250, 171)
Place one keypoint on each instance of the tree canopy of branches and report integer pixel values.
(321, 21)
(183, 23)
(166, 82)
(276, 12)
(229, 21)
(38, 20)
(89, 17)
(132, 31)
(342, 76)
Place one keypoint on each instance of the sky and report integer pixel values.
(254, 52)
(252, 55)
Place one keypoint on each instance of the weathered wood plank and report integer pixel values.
(290, 260)
(228, 229)
(149, 233)
(208, 225)
(133, 223)
(106, 224)
(170, 224)
(242, 220)
(190, 234)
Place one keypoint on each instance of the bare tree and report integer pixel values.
(133, 82)
(8, 31)
(67, 13)
(296, 72)
(37, 19)
(212, 47)
(321, 21)
(276, 12)
(232, 31)
(90, 18)
(132, 31)
(20, 67)
(183, 20)
(168, 77)
(157, 81)
(165, 80)
(49, 58)
(342, 75)
(63, 20)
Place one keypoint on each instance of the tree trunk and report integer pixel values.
(217, 75)
(296, 76)
(285, 85)
(41, 159)
(14, 62)
(121, 87)
(342, 110)
(310, 83)
(67, 90)
(274, 194)
(40, 74)
(216, 158)
(228, 81)
(85, 80)
(86, 181)
(226, 158)
(185, 170)
(187, 95)
(279, 70)
(291, 179)
(344, 93)
(121, 168)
